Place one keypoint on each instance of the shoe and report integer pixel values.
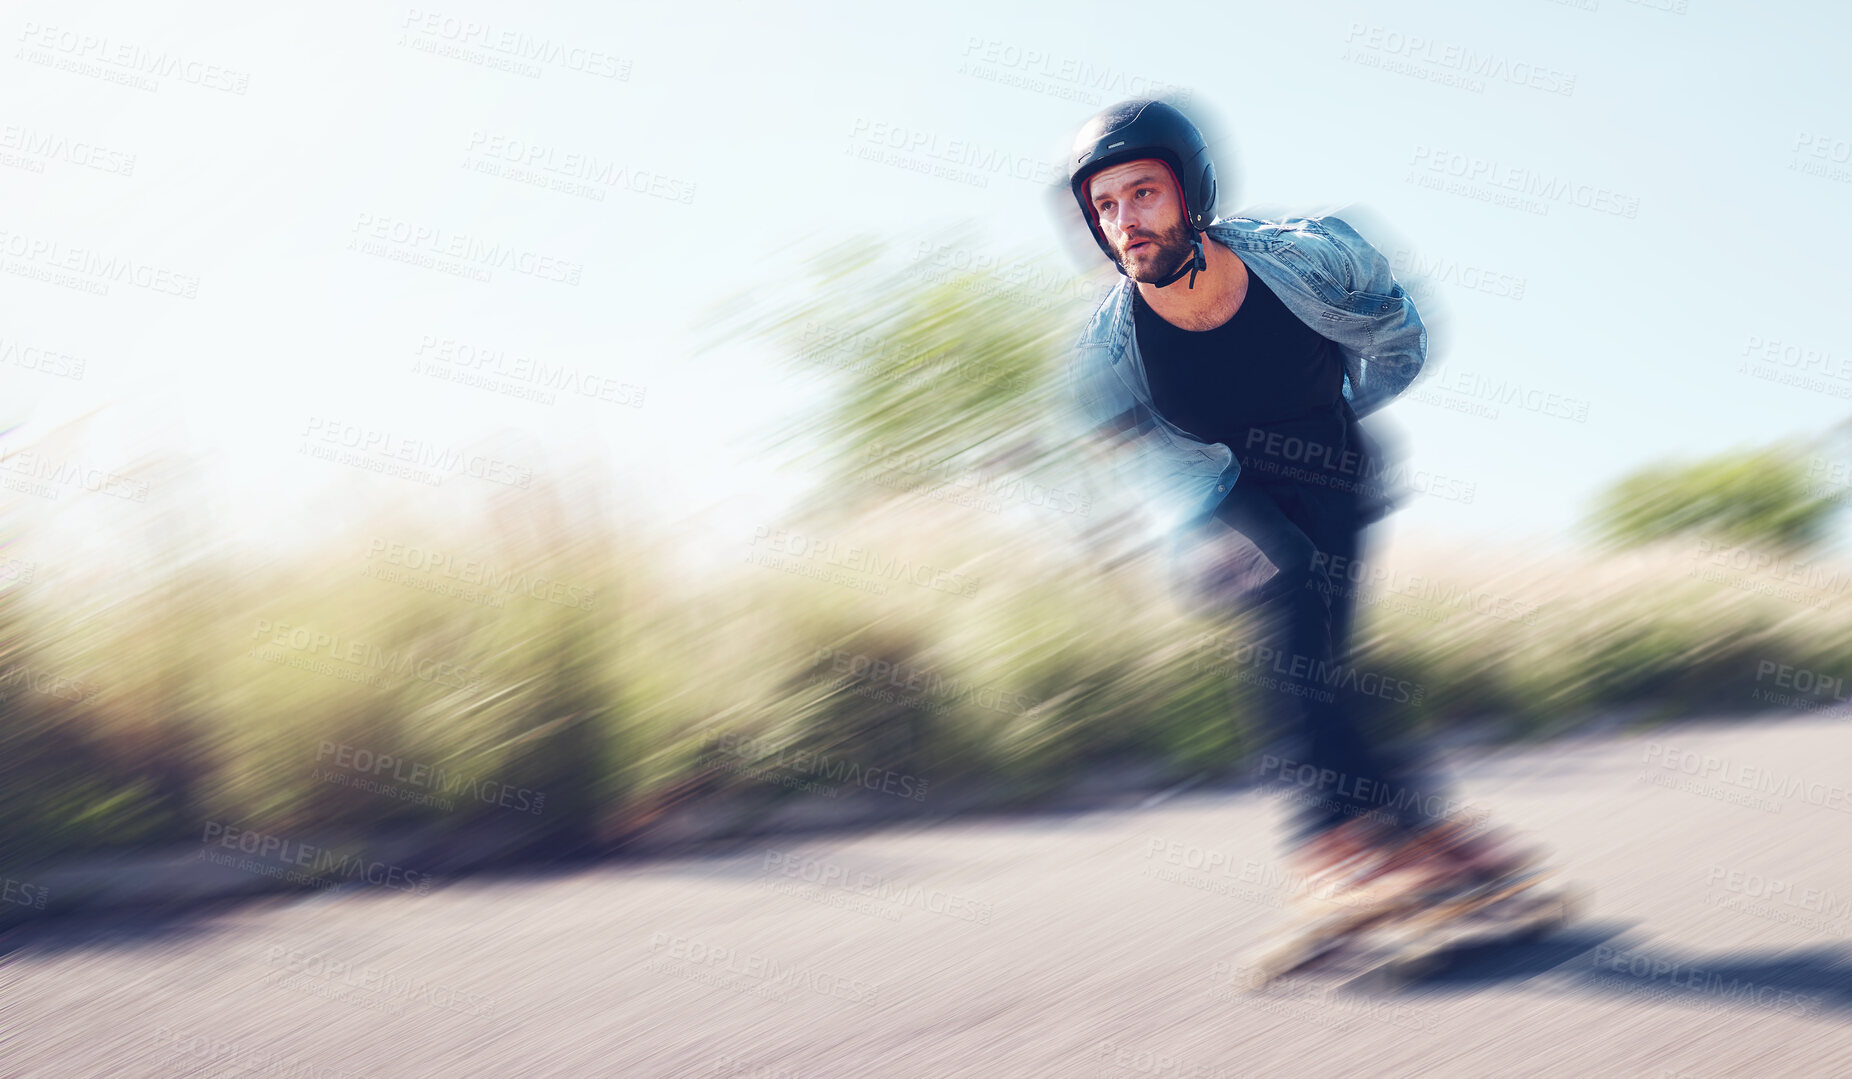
(1333, 871)
(1450, 858)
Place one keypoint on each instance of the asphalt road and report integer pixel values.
(1097, 944)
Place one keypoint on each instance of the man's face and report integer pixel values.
(1140, 213)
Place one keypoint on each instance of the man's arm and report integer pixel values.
(1100, 421)
(1398, 342)
(1100, 408)
(1107, 426)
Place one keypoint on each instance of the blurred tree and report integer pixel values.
(945, 367)
(1755, 497)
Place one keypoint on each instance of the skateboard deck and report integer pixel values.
(1509, 912)
(1308, 940)
(1403, 940)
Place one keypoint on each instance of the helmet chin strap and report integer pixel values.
(1191, 265)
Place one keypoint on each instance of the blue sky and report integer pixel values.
(1690, 303)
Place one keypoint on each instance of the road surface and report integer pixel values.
(1095, 944)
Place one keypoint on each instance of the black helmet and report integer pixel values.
(1141, 128)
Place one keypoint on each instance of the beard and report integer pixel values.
(1161, 256)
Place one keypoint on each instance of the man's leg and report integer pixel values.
(1335, 770)
(1432, 844)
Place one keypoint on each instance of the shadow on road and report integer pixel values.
(1594, 960)
(125, 930)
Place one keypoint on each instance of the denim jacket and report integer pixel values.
(1326, 274)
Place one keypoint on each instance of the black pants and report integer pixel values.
(1280, 551)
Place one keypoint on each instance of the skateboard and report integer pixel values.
(1402, 940)
(1523, 907)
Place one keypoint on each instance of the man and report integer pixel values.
(1232, 364)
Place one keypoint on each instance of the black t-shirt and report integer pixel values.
(1263, 383)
